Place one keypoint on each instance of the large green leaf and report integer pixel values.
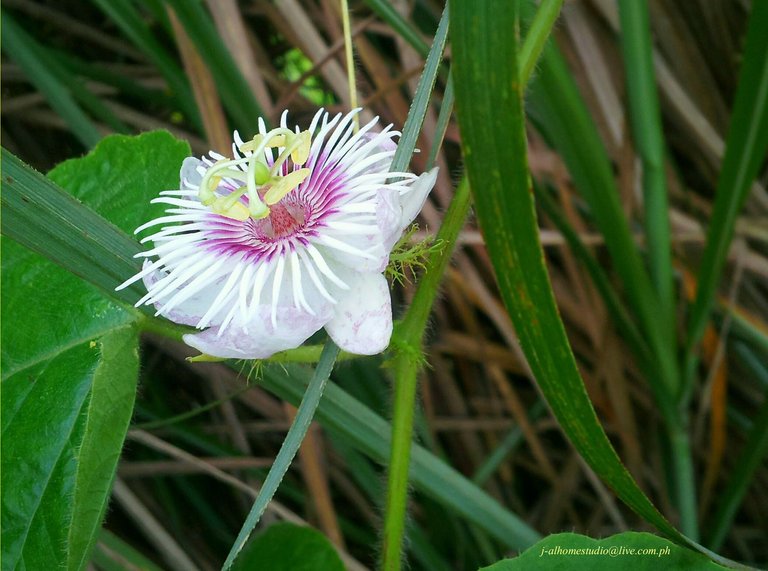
(628, 550)
(117, 179)
(122, 174)
(69, 355)
(289, 547)
(64, 421)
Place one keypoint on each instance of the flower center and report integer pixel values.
(264, 187)
(283, 220)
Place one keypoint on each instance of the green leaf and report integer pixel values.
(69, 355)
(122, 174)
(118, 179)
(628, 550)
(489, 107)
(289, 547)
(64, 421)
(47, 310)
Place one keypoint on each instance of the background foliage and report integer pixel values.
(646, 142)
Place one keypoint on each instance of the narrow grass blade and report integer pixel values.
(504, 448)
(559, 111)
(537, 37)
(293, 439)
(368, 432)
(745, 152)
(418, 110)
(753, 455)
(387, 12)
(47, 220)
(636, 43)
(114, 554)
(234, 90)
(443, 119)
(128, 19)
(489, 108)
(31, 57)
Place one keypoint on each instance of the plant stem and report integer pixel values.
(350, 60)
(406, 368)
(684, 481)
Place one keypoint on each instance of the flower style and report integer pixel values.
(291, 235)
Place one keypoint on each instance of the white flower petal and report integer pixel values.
(190, 310)
(259, 338)
(362, 321)
(190, 173)
(378, 242)
(413, 200)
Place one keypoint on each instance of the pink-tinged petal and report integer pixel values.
(362, 321)
(188, 312)
(259, 338)
(413, 200)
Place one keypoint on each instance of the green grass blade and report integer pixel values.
(233, 89)
(745, 152)
(48, 220)
(537, 37)
(636, 42)
(128, 19)
(23, 49)
(293, 439)
(504, 448)
(386, 11)
(418, 110)
(752, 457)
(443, 119)
(368, 432)
(489, 108)
(114, 554)
(561, 114)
